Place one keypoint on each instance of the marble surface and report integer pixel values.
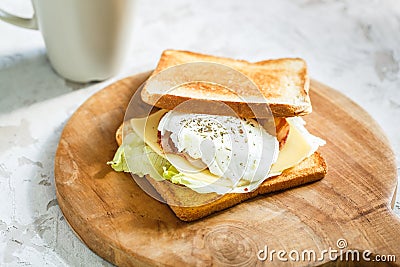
(353, 46)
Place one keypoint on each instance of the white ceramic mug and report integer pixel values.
(86, 40)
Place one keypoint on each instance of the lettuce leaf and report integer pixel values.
(119, 163)
(173, 175)
(136, 157)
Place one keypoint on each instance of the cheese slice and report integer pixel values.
(299, 145)
(295, 150)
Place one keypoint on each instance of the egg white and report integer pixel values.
(231, 147)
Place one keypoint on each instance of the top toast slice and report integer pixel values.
(283, 84)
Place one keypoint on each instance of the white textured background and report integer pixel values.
(353, 46)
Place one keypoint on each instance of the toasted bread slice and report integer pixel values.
(190, 205)
(185, 200)
(283, 84)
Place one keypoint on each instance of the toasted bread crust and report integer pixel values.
(118, 134)
(283, 83)
(309, 170)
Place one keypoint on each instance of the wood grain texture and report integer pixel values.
(118, 221)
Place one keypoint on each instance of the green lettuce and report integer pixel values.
(119, 163)
(138, 158)
(173, 175)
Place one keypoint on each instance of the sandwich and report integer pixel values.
(221, 150)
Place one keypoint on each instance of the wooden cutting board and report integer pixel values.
(122, 224)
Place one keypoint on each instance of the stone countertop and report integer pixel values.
(353, 46)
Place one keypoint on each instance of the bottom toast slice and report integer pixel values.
(189, 205)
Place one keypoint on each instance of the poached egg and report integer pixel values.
(239, 150)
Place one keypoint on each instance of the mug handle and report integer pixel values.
(18, 21)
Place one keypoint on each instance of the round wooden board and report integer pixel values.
(122, 224)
